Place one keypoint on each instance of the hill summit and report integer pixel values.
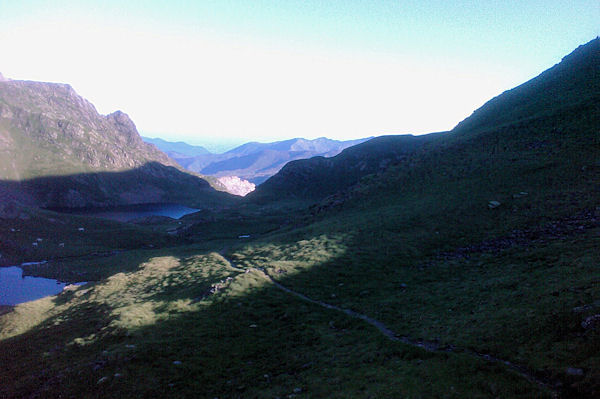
(49, 132)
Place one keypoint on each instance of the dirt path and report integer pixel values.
(388, 333)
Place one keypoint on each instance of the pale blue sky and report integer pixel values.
(264, 70)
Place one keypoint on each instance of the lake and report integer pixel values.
(125, 213)
(16, 288)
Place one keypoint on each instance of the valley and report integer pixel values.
(448, 265)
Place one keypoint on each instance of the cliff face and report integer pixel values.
(57, 150)
(48, 129)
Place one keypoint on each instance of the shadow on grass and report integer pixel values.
(160, 332)
(151, 183)
(231, 328)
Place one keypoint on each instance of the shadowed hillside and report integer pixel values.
(150, 183)
(48, 131)
(315, 178)
(548, 118)
(455, 265)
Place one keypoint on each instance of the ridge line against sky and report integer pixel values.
(265, 70)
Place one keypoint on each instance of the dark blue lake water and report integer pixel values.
(16, 288)
(125, 213)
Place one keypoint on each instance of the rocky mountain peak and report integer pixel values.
(123, 123)
(57, 150)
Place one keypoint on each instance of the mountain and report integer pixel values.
(572, 83)
(534, 122)
(461, 264)
(317, 177)
(177, 149)
(56, 150)
(256, 162)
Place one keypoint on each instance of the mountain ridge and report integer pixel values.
(256, 162)
(48, 131)
(574, 82)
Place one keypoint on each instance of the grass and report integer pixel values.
(37, 235)
(415, 246)
(247, 340)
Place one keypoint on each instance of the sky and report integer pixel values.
(224, 72)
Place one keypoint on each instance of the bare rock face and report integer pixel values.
(235, 185)
(126, 127)
(57, 150)
(59, 132)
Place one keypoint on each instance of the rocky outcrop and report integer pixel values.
(53, 131)
(56, 150)
(236, 186)
(255, 162)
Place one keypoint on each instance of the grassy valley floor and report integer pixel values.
(191, 321)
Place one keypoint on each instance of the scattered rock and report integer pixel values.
(130, 346)
(177, 362)
(584, 308)
(574, 371)
(102, 380)
(591, 323)
(9, 210)
(252, 326)
(493, 204)
(297, 390)
(118, 375)
(81, 229)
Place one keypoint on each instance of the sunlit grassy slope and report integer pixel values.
(482, 240)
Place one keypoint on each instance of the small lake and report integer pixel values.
(125, 213)
(16, 288)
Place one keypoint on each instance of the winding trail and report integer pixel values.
(388, 333)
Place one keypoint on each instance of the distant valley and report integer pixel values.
(254, 162)
(453, 264)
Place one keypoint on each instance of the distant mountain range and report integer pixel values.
(252, 161)
(177, 149)
(57, 151)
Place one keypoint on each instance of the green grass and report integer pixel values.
(248, 340)
(67, 237)
(415, 246)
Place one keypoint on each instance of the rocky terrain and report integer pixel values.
(57, 150)
(237, 186)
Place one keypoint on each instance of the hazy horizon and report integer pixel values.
(235, 71)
